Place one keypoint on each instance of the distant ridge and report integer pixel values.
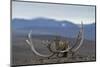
(46, 26)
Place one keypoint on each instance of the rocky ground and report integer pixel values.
(21, 53)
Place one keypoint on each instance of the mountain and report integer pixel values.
(45, 26)
(40, 22)
(90, 31)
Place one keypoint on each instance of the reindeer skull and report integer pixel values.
(59, 46)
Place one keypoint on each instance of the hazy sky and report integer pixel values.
(72, 13)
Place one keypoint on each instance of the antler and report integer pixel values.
(77, 44)
(53, 50)
(79, 40)
(33, 48)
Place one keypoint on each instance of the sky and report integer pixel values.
(74, 13)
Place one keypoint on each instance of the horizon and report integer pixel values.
(52, 19)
